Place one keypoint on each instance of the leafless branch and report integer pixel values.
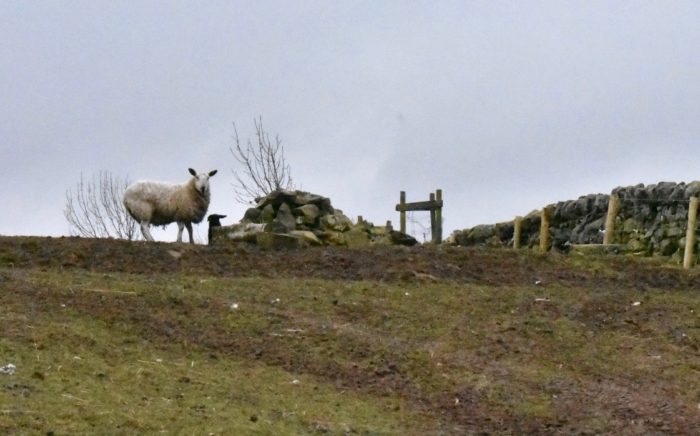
(95, 209)
(263, 166)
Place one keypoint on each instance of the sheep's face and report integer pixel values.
(201, 181)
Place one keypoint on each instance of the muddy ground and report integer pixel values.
(631, 404)
(493, 267)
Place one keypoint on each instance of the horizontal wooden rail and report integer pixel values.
(419, 205)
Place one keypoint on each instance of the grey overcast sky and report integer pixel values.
(505, 105)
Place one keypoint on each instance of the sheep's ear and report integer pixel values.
(211, 173)
(193, 172)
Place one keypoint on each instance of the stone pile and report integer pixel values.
(290, 219)
(651, 220)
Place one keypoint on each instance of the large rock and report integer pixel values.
(284, 222)
(356, 238)
(306, 236)
(305, 198)
(276, 199)
(243, 232)
(336, 222)
(307, 214)
(252, 215)
(399, 238)
(267, 213)
(278, 241)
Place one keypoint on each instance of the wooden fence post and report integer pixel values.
(402, 212)
(613, 206)
(433, 230)
(517, 231)
(544, 230)
(690, 233)
(438, 216)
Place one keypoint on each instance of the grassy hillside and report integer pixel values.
(111, 337)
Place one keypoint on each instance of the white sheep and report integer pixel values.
(161, 203)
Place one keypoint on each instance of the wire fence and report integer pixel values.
(419, 226)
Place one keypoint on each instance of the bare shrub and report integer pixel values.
(94, 209)
(264, 168)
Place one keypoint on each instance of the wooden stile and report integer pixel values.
(402, 211)
(434, 206)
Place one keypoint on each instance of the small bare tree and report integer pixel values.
(95, 209)
(264, 166)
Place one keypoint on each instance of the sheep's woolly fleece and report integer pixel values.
(160, 203)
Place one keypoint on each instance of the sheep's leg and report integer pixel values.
(189, 231)
(180, 226)
(145, 231)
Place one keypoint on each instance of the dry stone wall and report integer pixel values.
(651, 220)
(289, 219)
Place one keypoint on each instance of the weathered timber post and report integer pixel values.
(613, 206)
(517, 232)
(402, 212)
(544, 230)
(438, 216)
(690, 233)
(433, 230)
